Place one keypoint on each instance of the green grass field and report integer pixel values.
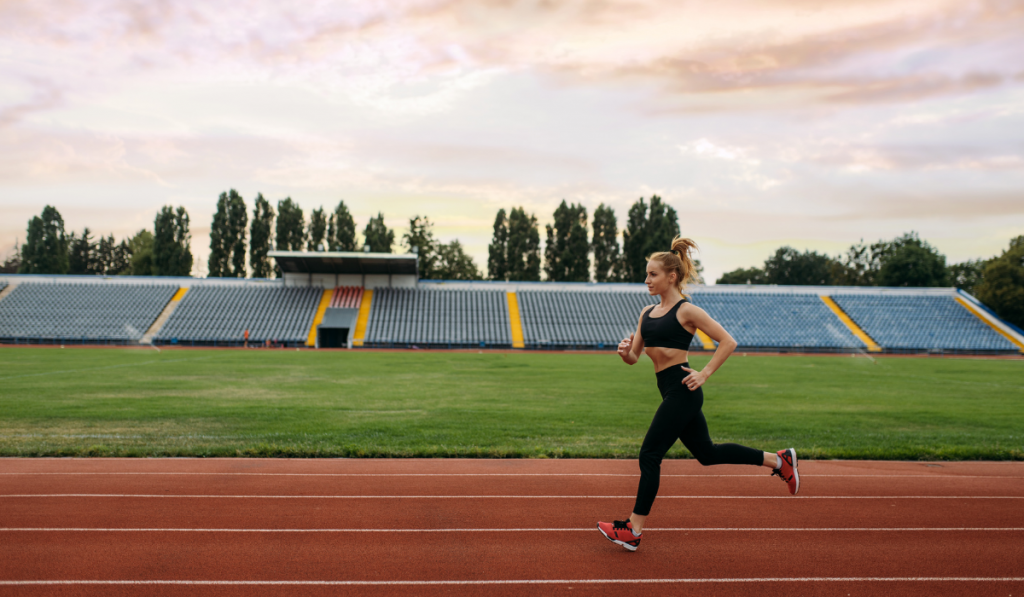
(132, 402)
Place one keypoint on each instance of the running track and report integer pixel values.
(446, 527)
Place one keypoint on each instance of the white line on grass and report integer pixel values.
(514, 497)
(587, 581)
(236, 474)
(561, 530)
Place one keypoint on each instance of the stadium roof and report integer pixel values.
(339, 262)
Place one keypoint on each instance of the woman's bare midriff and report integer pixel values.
(663, 358)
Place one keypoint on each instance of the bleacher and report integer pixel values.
(49, 312)
(220, 314)
(566, 319)
(916, 323)
(776, 321)
(438, 318)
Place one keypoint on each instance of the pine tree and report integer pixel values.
(453, 263)
(262, 225)
(46, 246)
(647, 231)
(82, 255)
(238, 219)
(172, 253)
(497, 251)
(141, 247)
(218, 264)
(291, 226)
(378, 236)
(605, 245)
(567, 252)
(341, 230)
(317, 229)
(523, 246)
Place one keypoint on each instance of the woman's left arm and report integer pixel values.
(702, 321)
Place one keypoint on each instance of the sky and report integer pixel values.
(813, 124)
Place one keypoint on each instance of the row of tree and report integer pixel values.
(49, 249)
(903, 261)
(514, 252)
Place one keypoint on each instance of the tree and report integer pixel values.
(120, 262)
(453, 263)
(378, 236)
(238, 219)
(259, 245)
(317, 229)
(497, 251)
(523, 246)
(647, 231)
(605, 245)
(12, 262)
(860, 265)
(82, 257)
(341, 230)
(227, 237)
(967, 275)
(141, 248)
(567, 252)
(46, 247)
(754, 275)
(791, 267)
(1002, 285)
(420, 240)
(291, 226)
(910, 261)
(172, 253)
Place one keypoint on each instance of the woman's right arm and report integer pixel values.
(631, 348)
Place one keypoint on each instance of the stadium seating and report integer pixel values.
(218, 314)
(602, 319)
(81, 312)
(346, 297)
(449, 318)
(901, 322)
(565, 319)
(791, 321)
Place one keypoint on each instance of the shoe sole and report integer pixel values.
(616, 541)
(796, 475)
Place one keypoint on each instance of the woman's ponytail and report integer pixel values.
(679, 260)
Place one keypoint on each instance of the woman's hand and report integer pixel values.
(625, 347)
(695, 379)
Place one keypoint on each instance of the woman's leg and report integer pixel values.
(670, 420)
(697, 440)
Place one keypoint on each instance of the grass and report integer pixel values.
(131, 402)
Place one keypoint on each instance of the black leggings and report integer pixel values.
(680, 417)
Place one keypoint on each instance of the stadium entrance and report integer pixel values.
(335, 329)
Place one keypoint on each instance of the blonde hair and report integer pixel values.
(678, 260)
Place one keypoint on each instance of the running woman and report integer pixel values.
(664, 332)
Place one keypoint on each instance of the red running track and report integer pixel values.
(442, 527)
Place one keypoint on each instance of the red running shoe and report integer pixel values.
(621, 532)
(787, 469)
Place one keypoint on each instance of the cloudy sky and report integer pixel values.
(769, 122)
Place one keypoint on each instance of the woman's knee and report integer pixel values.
(650, 459)
(706, 455)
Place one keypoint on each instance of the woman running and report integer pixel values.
(665, 331)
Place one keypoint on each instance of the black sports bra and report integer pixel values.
(665, 331)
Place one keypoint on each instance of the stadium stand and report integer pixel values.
(220, 314)
(916, 323)
(68, 312)
(438, 318)
(565, 319)
(775, 321)
(346, 297)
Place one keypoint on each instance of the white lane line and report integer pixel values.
(58, 473)
(514, 497)
(450, 530)
(587, 581)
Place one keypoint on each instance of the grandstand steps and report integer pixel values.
(996, 325)
(161, 319)
(7, 290)
(850, 323)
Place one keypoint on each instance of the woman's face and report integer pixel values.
(658, 282)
